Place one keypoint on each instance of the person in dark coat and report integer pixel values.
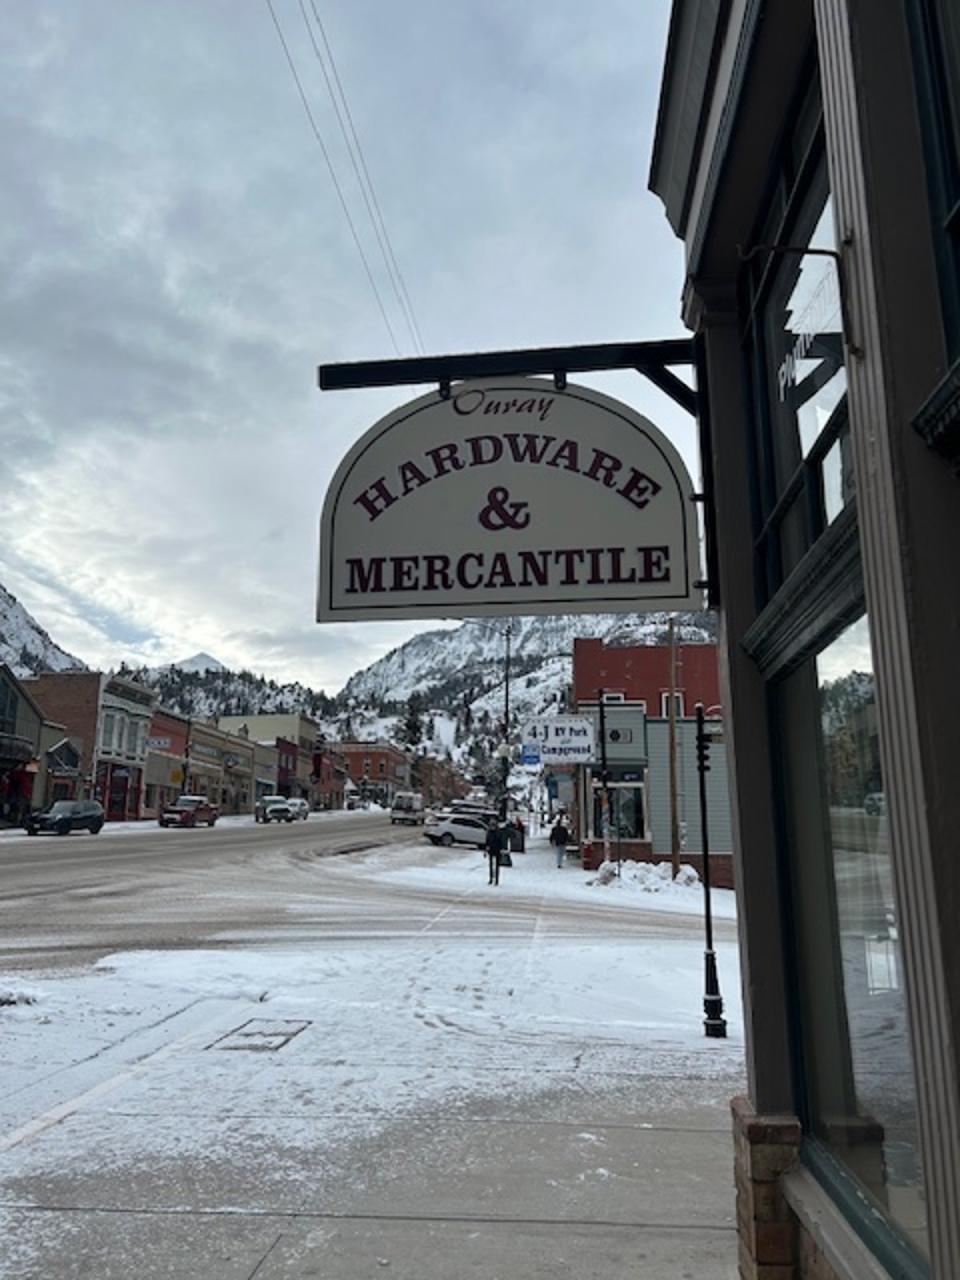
(494, 844)
(559, 838)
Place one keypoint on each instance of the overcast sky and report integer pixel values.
(176, 263)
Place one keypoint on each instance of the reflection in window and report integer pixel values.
(859, 1075)
(808, 339)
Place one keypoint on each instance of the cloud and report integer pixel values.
(174, 265)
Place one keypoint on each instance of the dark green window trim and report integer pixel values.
(890, 1249)
(939, 419)
(822, 596)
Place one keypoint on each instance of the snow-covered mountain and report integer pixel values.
(24, 645)
(199, 662)
(446, 667)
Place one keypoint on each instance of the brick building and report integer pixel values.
(107, 718)
(635, 808)
(378, 769)
(640, 674)
(330, 774)
(438, 781)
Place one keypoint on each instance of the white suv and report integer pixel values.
(299, 808)
(455, 828)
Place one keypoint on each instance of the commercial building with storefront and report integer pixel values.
(807, 155)
(220, 766)
(635, 809)
(378, 769)
(30, 748)
(166, 760)
(107, 717)
(295, 728)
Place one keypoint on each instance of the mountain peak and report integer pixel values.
(199, 662)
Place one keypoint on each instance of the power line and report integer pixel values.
(333, 178)
(365, 182)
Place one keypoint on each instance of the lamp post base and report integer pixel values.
(714, 1024)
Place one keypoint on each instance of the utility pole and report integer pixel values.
(605, 778)
(505, 759)
(672, 751)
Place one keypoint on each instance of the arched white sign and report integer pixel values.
(508, 497)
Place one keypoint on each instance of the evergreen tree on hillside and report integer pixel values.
(410, 729)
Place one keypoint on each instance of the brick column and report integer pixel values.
(765, 1147)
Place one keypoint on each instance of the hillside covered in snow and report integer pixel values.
(24, 645)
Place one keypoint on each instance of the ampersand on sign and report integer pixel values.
(501, 513)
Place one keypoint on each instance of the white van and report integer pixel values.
(407, 807)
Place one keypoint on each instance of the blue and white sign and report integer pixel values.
(530, 753)
(563, 739)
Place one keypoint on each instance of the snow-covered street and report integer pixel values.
(401, 1063)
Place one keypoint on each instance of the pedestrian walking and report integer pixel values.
(559, 837)
(494, 845)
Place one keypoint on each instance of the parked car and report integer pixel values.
(455, 828)
(875, 804)
(299, 808)
(64, 816)
(273, 809)
(189, 811)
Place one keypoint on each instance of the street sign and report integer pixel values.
(530, 753)
(563, 739)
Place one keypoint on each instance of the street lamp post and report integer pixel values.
(714, 1024)
(505, 761)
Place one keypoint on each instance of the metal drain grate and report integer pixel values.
(260, 1035)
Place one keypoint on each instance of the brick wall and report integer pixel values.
(73, 700)
(765, 1147)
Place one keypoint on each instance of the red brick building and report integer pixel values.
(166, 760)
(330, 774)
(378, 769)
(641, 675)
(438, 781)
(108, 718)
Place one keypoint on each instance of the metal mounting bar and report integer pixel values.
(552, 361)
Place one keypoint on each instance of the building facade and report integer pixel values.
(330, 773)
(631, 816)
(438, 781)
(166, 760)
(297, 730)
(107, 718)
(378, 769)
(807, 156)
(33, 750)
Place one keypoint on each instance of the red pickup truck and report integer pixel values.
(188, 811)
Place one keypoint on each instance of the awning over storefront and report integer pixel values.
(14, 750)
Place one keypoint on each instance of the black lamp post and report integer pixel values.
(714, 1024)
(505, 758)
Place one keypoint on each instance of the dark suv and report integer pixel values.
(64, 816)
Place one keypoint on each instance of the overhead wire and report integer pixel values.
(333, 176)
(365, 182)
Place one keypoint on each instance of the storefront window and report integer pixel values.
(859, 1082)
(792, 314)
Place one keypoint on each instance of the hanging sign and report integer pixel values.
(508, 496)
(562, 739)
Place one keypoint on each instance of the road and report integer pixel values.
(66, 902)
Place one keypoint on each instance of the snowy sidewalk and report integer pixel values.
(428, 1105)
